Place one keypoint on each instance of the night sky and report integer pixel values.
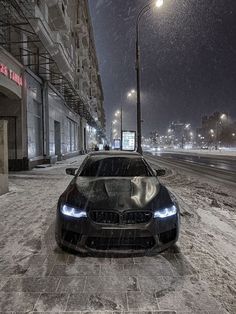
(188, 56)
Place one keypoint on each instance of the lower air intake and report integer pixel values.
(120, 244)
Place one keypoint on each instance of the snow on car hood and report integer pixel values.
(118, 192)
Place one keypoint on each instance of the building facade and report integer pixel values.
(50, 87)
(216, 130)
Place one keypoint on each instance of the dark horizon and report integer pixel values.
(188, 54)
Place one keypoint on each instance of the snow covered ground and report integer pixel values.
(196, 276)
(208, 231)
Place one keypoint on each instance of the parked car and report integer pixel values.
(115, 202)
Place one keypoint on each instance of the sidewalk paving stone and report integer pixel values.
(51, 302)
(17, 301)
(114, 283)
(74, 284)
(99, 301)
(31, 284)
(142, 301)
(76, 270)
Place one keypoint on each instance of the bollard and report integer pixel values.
(3, 157)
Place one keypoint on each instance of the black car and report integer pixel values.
(115, 202)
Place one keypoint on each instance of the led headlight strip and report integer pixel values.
(73, 212)
(166, 212)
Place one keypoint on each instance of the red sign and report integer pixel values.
(3, 69)
(11, 74)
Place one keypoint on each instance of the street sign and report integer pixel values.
(128, 140)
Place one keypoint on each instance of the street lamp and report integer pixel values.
(145, 9)
(222, 118)
(119, 113)
(131, 93)
(159, 3)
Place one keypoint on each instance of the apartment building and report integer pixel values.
(50, 88)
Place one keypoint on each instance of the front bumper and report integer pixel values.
(84, 235)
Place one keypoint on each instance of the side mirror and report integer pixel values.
(160, 172)
(71, 171)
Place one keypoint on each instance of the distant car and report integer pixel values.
(115, 202)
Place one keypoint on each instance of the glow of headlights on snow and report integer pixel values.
(165, 212)
(73, 212)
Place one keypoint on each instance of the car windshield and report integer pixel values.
(115, 167)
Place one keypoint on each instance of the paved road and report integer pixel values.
(219, 168)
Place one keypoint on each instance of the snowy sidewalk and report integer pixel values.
(36, 276)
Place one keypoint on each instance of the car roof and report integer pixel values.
(114, 153)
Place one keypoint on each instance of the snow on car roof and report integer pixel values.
(115, 154)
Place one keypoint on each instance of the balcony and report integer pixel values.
(58, 17)
(52, 41)
(81, 28)
(84, 52)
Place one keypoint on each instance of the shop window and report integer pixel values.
(71, 135)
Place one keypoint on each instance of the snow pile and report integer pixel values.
(208, 233)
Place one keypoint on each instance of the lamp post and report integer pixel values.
(119, 113)
(145, 9)
(223, 117)
(121, 127)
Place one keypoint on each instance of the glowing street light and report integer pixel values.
(223, 116)
(119, 116)
(131, 93)
(159, 3)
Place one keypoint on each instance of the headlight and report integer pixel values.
(166, 212)
(73, 212)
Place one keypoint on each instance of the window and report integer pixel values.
(71, 136)
(115, 167)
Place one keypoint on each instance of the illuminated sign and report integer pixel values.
(11, 74)
(128, 140)
(116, 143)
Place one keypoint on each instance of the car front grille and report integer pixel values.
(127, 217)
(105, 217)
(131, 217)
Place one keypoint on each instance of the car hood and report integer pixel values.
(117, 193)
